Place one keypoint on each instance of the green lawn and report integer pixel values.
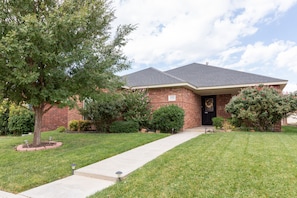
(236, 164)
(24, 170)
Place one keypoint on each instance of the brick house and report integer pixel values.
(57, 117)
(201, 90)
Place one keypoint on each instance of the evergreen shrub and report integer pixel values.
(21, 120)
(218, 122)
(168, 118)
(124, 127)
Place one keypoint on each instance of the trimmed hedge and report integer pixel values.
(124, 127)
(168, 118)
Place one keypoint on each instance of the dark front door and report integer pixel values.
(208, 109)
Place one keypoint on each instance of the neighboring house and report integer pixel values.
(201, 90)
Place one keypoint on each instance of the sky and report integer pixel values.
(255, 36)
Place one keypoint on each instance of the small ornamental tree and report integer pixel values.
(53, 52)
(260, 107)
(136, 107)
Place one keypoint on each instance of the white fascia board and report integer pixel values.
(163, 86)
(204, 88)
(242, 85)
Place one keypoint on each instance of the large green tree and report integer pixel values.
(53, 52)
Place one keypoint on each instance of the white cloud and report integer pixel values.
(261, 54)
(288, 59)
(174, 31)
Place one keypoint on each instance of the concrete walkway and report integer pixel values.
(88, 180)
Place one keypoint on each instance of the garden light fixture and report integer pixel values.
(73, 168)
(26, 142)
(119, 173)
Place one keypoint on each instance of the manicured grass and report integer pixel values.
(236, 164)
(24, 170)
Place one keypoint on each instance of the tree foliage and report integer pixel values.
(260, 107)
(137, 107)
(53, 52)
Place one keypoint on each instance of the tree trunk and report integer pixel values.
(38, 122)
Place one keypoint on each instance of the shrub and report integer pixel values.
(124, 127)
(61, 129)
(260, 107)
(218, 122)
(21, 120)
(80, 125)
(4, 115)
(227, 125)
(84, 125)
(103, 110)
(167, 118)
(73, 125)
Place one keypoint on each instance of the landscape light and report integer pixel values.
(119, 173)
(73, 168)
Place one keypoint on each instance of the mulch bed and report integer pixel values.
(42, 146)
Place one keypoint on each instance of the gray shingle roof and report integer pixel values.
(197, 75)
(150, 77)
(209, 76)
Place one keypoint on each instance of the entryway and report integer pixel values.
(208, 109)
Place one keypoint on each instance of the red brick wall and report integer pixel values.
(159, 97)
(221, 102)
(185, 99)
(54, 118)
(192, 107)
(73, 114)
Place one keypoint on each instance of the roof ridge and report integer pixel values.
(177, 78)
(169, 75)
(140, 71)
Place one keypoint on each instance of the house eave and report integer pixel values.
(282, 85)
(233, 89)
(214, 90)
(162, 86)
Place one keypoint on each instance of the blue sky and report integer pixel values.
(256, 36)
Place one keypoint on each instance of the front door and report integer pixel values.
(208, 109)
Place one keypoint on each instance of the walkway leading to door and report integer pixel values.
(95, 177)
